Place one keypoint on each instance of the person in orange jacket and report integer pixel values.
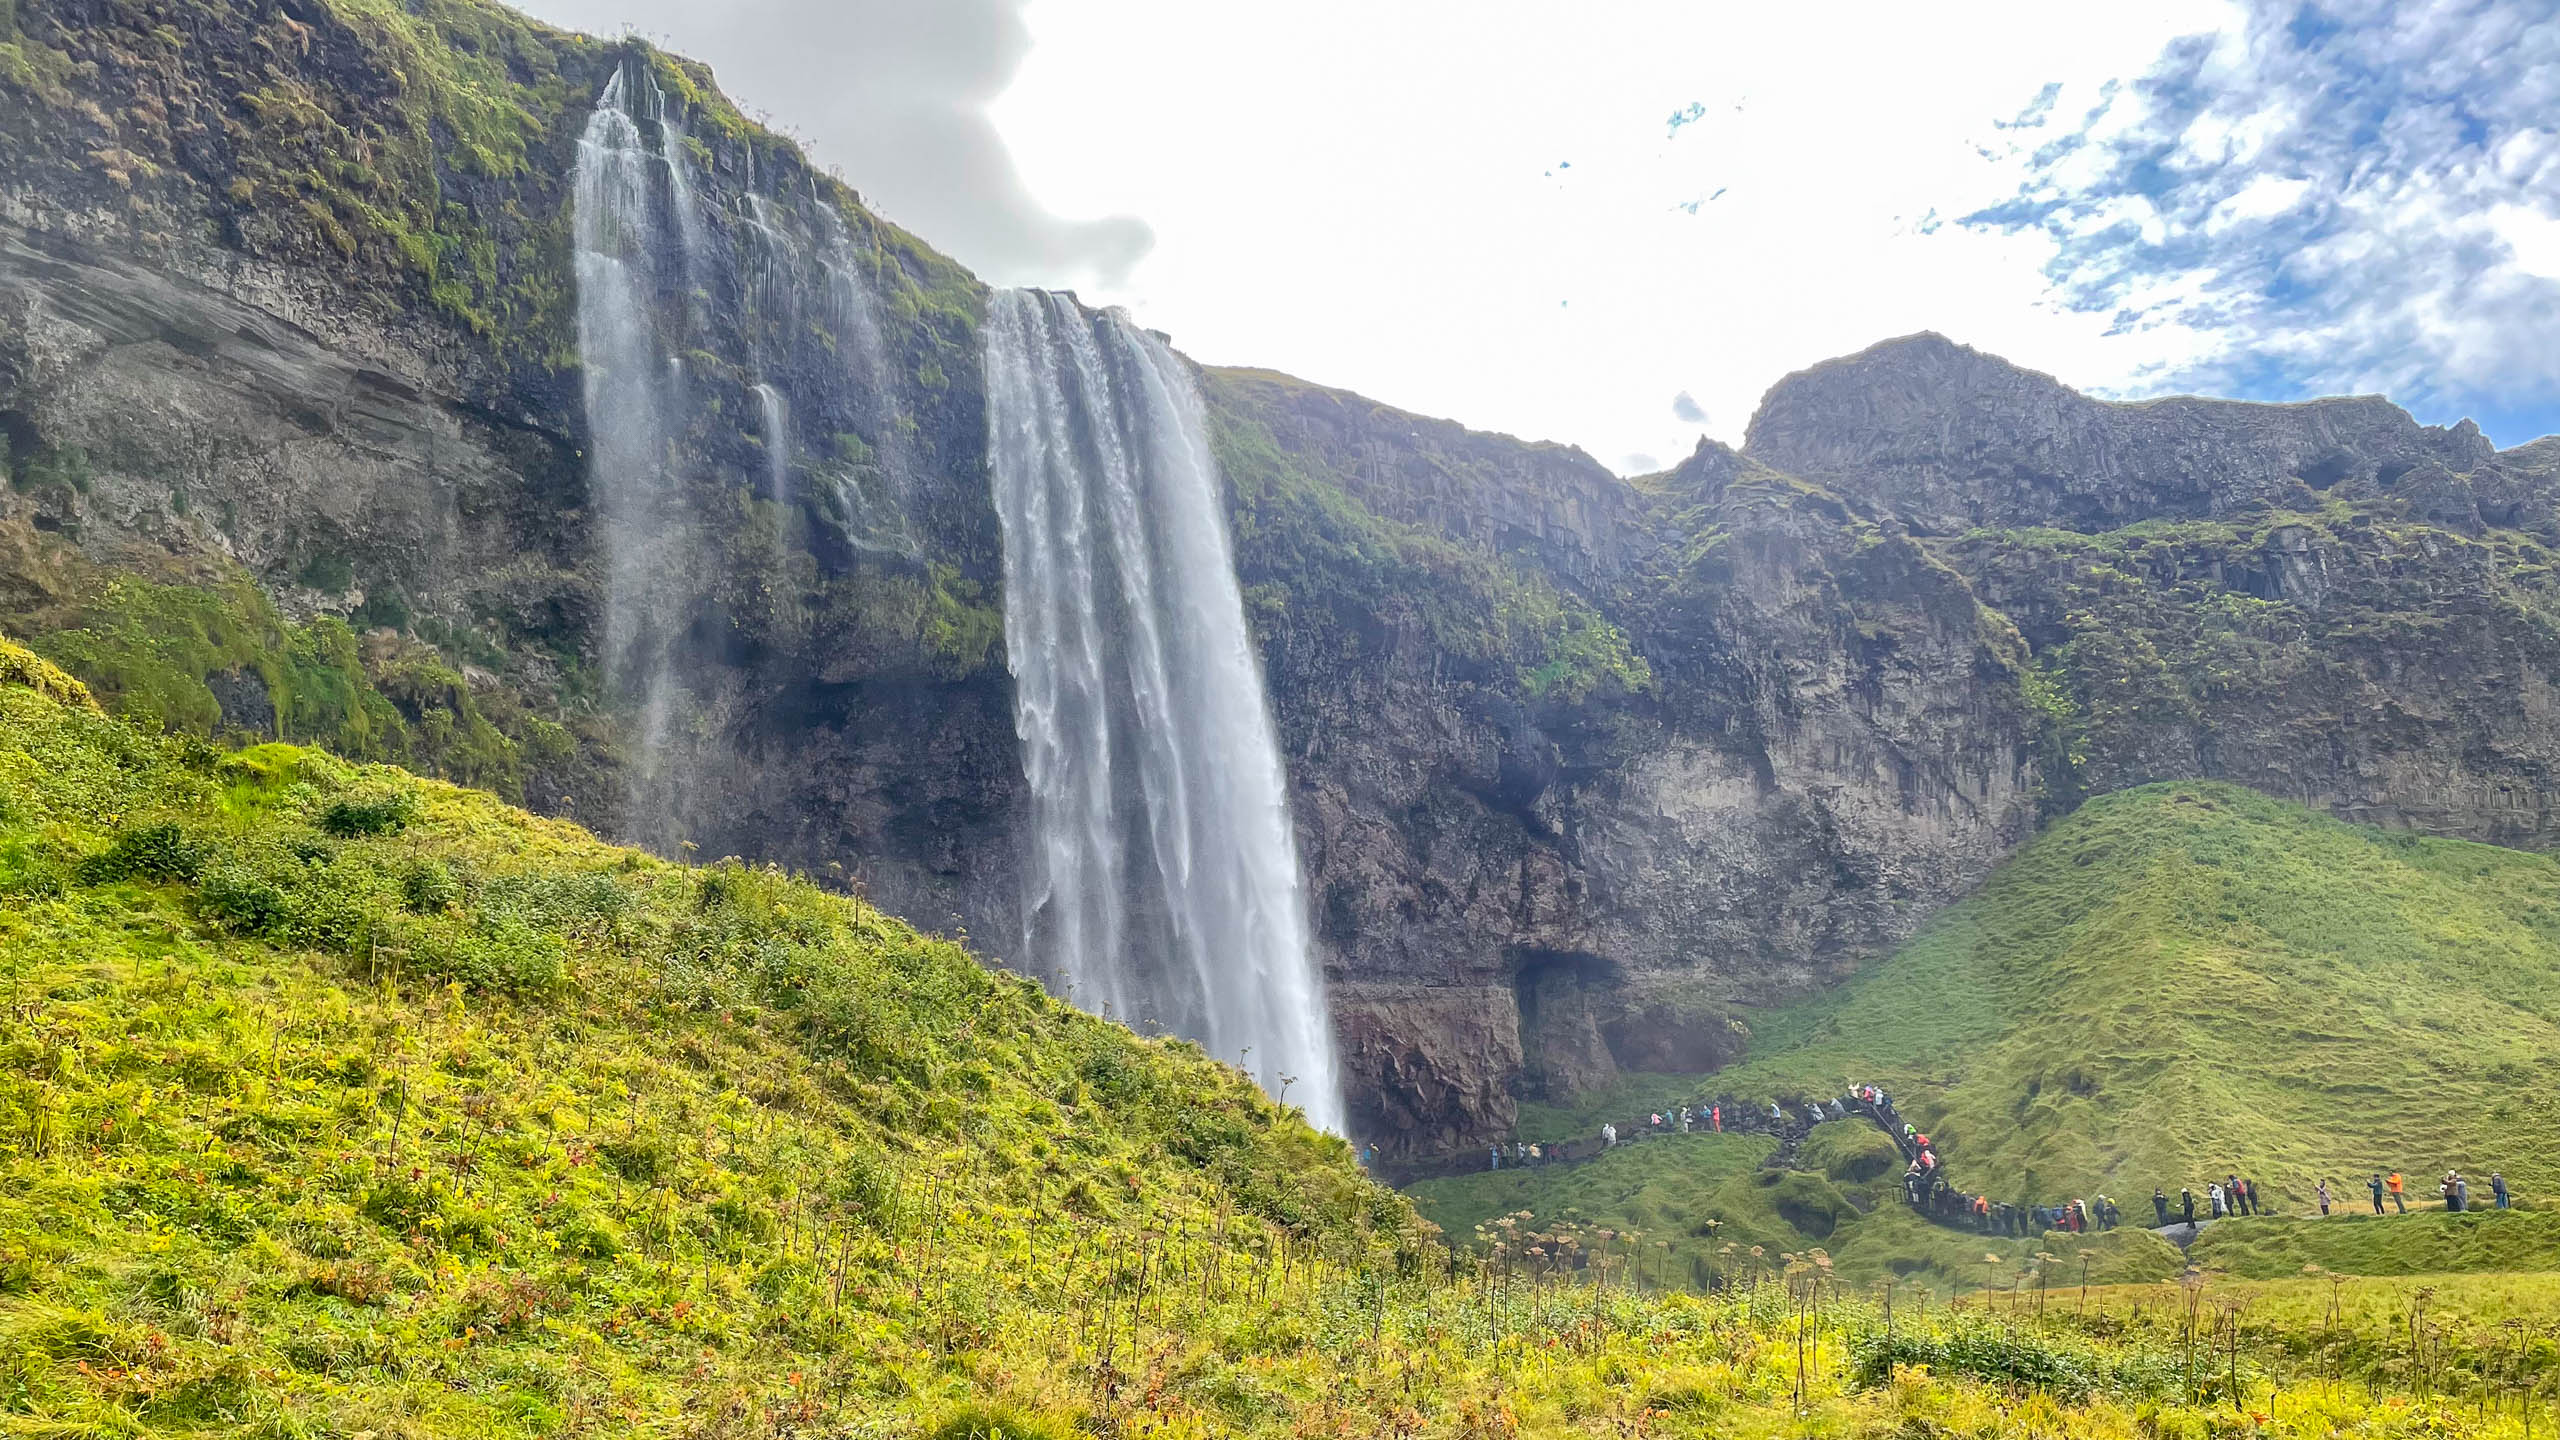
(2393, 1185)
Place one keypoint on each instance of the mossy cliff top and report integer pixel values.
(410, 157)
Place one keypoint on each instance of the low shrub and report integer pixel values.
(160, 853)
(374, 813)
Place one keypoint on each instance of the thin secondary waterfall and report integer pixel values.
(1163, 874)
(777, 444)
(617, 233)
(635, 237)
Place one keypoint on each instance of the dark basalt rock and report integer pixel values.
(1949, 439)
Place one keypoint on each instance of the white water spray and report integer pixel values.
(777, 444)
(1163, 872)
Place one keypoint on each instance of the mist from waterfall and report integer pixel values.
(1162, 876)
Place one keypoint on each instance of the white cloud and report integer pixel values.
(2532, 238)
(2356, 196)
(2263, 198)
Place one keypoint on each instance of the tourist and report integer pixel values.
(2399, 1204)
(2444, 1187)
(2233, 1195)
(2498, 1188)
(2461, 1192)
(2217, 1198)
(1717, 1115)
(1497, 1157)
(2187, 1205)
(2375, 1185)
(2323, 1188)
(2257, 1198)
(2160, 1205)
(1608, 1136)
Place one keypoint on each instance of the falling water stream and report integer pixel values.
(1162, 879)
(1163, 876)
(625, 192)
(777, 444)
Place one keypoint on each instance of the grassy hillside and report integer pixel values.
(336, 1102)
(2173, 983)
(2183, 980)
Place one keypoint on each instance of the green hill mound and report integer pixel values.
(2172, 984)
(2187, 980)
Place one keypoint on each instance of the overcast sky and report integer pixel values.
(1616, 224)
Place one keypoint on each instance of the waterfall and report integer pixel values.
(777, 443)
(627, 197)
(1163, 875)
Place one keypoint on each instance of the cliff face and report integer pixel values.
(1534, 867)
(1949, 439)
(288, 317)
(296, 445)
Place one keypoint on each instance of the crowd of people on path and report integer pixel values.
(1714, 1117)
(1927, 1189)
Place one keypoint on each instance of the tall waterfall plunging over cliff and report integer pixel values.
(1163, 875)
(629, 197)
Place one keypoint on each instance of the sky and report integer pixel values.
(1615, 225)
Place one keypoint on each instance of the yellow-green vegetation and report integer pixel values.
(153, 653)
(2354, 1241)
(336, 1098)
(20, 666)
(334, 1101)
